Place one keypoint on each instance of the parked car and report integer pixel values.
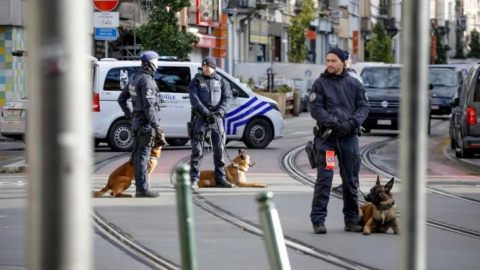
(465, 118)
(382, 84)
(301, 86)
(447, 80)
(12, 123)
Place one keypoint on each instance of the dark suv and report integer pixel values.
(465, 117)
(447, 81)
(382, 83)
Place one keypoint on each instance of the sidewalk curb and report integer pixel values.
(17, 167)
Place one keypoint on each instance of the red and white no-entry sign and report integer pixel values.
(105, 5)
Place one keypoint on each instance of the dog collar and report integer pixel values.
(387, 206)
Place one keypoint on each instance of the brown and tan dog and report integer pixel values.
(235, 173)
(121, 179)
(380, 212)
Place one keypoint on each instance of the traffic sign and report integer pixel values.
(106, 34)
(105, 5)
(106, 19)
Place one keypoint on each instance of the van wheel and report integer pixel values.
(258, 134)
(176, 142)
(120, 137)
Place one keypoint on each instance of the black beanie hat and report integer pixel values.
(338, 52)
(209, 61)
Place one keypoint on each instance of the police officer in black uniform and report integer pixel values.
(353, 73)
(337, 102)
(210, 98)
(145, 123)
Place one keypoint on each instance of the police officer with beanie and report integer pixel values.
(210, 98)
(337, 102)
(145, 123)
(353, 73)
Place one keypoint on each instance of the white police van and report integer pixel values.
(253, 119)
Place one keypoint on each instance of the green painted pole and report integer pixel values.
(186, 226)
(272, 230)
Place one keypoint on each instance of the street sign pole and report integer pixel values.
(106, 48)
(59, 138)
(413, 145)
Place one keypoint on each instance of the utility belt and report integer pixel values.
(140, 115)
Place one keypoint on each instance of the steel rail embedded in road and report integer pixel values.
(136, 249)
(288, 165)
(255, 229)
(368, 163)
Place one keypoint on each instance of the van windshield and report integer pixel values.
(442, 77)
(381, 77)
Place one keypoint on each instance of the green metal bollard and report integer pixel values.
(272, 231)
(186, 226)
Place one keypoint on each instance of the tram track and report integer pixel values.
(125, 242)
(289, 166)
(255, 229)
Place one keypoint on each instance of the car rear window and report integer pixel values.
(476, 94)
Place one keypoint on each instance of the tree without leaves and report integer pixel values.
(379, 46)
(298, 50)
(162, 33)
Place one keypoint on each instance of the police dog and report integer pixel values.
(379, 213)
(121, 179)
(235, 173)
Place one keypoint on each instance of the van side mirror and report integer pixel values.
(430, 86)
(455, 102)
(235, 93)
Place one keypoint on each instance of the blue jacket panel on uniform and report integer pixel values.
(338, 98)
(200, 96)
(142, 90)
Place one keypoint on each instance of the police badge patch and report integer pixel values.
(203, 85)
(312, 97)
(149, 92)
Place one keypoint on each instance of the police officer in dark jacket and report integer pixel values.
(353, 73)
(337, 102)
(145, 123)
(210, 98)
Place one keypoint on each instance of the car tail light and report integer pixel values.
(96, 102)
(471, 116)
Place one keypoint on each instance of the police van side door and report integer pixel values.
(173, 82)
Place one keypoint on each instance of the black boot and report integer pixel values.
(353, 227)
(147, 194)
(338, 189)
(319, 228)
(224, 184)
(194, 185)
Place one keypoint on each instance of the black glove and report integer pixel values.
(160, 137)
(343, 129)
(129, 116)
(211, 118)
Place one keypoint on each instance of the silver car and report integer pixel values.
(12, 124)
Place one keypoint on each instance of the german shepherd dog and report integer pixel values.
(379, 213)
(121, 179)
(235, 173)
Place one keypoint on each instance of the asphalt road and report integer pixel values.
(222, 245)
